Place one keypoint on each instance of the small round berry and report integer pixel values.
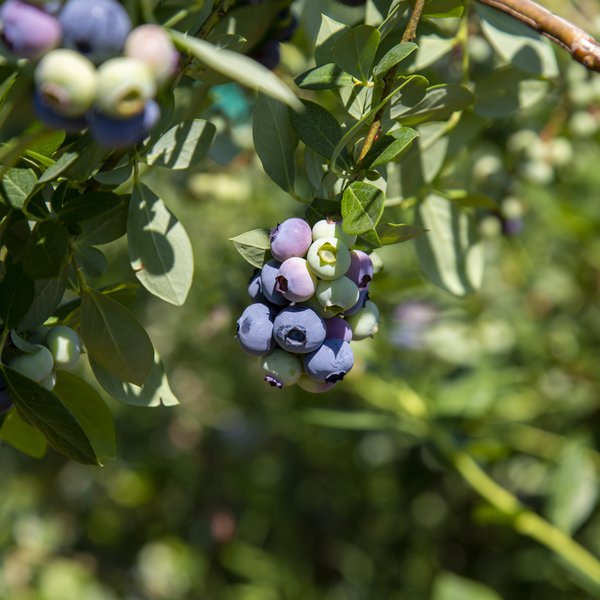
(255, 329)
(314, 387)
(65, 346)
(267, 54)
(28, 31)
(268, 282)
(337, 295)
(330, 362)
(299, 329)
(328, 257)
(49, 382)
(365, 323)
(281, 368)
(54, 120)
(36, 366)
(287, 26)
(362, 298)
(361, 269)
(338, 328)
(296, 281)
(255, 288)
(66, 82)
(97, 29)
(151, 44)
(326, 228)
(290, 238)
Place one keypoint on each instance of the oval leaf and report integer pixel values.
(362, 206)
(253, 246)
(16, 295)
(355, 50)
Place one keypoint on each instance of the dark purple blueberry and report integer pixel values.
(291, 238)
(330, 362)
(286, 27)
(5, 401)
(121, 133)
(52, 119)
(255, 329)
(268, 282)
(267, 54)
(97, 29)
(512, 227)
(254, 287)
(296, 281)
(299, 329)
(338, 328)
(362, 298)
(361, 269)
(27, 30)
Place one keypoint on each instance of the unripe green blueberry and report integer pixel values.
(281, 368)
(49, 382)
(329, 257)
(66, 82)
(314, 387)
(326, 228)
(365, 323)
(124, 86)
(338, 295)
(64, 345)
(36, 366)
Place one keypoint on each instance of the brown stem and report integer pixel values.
(410, 33)
(580, 44)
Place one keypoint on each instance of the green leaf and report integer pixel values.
(17, 186)
(389, 147)
(275, 141)
(433, 45)
(22, 436)
(253, 246)
(238, 67)
(49, 415)
(324, 77)
(329, 33)
(154, 392)
(47, 296)
(79, 207)
(16, 295)
(317, 128)
(323, 208)
(90, 411)
(160, 251)
(92, 261)
(182, 146)
(450, 255)
(573, 488)
(355, 51)
(448, 586)
(114, 338)
(516, 43)
(362, 207)
(47, 250)
(106, 227)
(393, 57)
(444, 8)
(368, 241)
(62, 164)
(410, 91)
(471, 199)
(48, 144)
(395, 233)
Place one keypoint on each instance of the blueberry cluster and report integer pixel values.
(309, 301)
(93, 70)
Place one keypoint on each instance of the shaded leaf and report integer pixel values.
(92, 261)
(22, 436)
(79, 207)
(389, 147)
(329, 33)
(395, 233)
(16, 295)
(47, 250)
(17, 186)
(106, 227)
(355, 51)
(324, 77)
(393, 57)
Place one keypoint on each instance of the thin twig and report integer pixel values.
(580, 44)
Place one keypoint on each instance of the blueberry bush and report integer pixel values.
(422, 170)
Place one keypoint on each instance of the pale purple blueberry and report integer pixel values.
(28, 31)
(5, 401)
(338, 328)
(281, 368)
(362, 298)
(296, 281)
(314, 387)
(326, 228)
(299, 329)
(329, 258)
(337, 295)
(365, 323)
(268, 281)
(330, 362)
(255, 329)
(97, 29)
(290, 238)
(254, 287)
(361, 269)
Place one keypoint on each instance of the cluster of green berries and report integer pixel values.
(309, 301)
(47, 350)
(93, 70)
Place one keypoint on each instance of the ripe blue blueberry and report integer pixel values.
(267, 54)
(152, 45)
(299, 329)
(66, 82)
(254, 287)
(362, 298)
(338, 328)
(314, 387)
(328, 257)
(268, 281)
(296, 281)
(28, 31)
(97, 29)
(121, 133)
(55, 120)
(361, 269)
(255, 329)
(5, 401)
(365, 323)
(286, 26)
(290, 238)
(326, 228)
(281, 368)
(330, 362)
(337, 295)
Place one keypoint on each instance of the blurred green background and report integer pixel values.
(245, 492)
